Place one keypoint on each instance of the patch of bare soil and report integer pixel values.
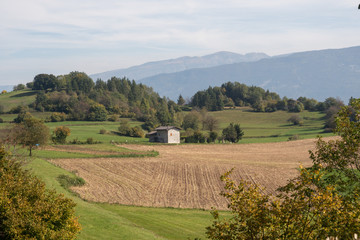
(187, 176)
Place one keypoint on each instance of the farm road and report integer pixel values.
(187, 176)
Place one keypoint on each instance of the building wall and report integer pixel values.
(173, 136)
(162, 136)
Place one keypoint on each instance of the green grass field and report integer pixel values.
(271, 127)
(258, 127)
(13, 99)
(106, 221)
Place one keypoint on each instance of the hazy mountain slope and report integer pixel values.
(7, 88)
(179, 64)
(316, 74)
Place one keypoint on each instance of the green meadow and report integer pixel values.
(261, 127)
(14, 99)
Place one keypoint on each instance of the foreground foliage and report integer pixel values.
(315, 205)
(28, 210)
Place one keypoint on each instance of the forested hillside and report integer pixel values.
(77, 96)
(233, 94)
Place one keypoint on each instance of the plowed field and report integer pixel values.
(186, 176)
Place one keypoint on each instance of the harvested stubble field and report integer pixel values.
(186, 176)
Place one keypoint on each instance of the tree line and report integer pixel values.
(232, 94)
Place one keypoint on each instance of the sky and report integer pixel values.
(92, 36)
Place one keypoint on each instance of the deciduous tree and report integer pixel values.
(232, 133)
(28, 210)
(60, 134)
(31, 132)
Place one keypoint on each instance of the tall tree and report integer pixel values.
(232, 133)
(181, 100)
(31, 132)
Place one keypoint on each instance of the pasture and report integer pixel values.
(272, 127)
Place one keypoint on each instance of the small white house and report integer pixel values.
(165, 134)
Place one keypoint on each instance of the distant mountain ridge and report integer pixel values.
(314, 74)
(179, 64)
(7, 88)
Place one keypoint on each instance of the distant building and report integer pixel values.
(165, 134)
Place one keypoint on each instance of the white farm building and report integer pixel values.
(165, 134)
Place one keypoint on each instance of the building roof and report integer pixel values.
(167, 128)
(152, 133)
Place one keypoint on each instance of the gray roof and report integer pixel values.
(167, 128)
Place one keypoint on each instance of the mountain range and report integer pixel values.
(314, 74)
(179, 64)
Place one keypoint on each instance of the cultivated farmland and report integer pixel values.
(186, 176)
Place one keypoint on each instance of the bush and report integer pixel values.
(296, 120)
(90, 141)
(67, 181)
(103, 131)
(1, 120)
(19, 87)
(18, 109)
(60, 134)
(212, 136)
(126, 130)
(294, 137)
(58, 117)
(197, 137)
(113, 118)
(233, 133)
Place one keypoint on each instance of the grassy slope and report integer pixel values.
(13, 99)
(105, 221)
(271, 127)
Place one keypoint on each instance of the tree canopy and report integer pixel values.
(28, 210)
(31, 132)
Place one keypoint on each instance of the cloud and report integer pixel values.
(100, 35)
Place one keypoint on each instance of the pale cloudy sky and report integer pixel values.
(60, 36)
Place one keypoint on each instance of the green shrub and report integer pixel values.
(58, 117)
(67, 181)
(294, 137)
(60, 134)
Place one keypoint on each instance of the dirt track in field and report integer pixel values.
(187, 176)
